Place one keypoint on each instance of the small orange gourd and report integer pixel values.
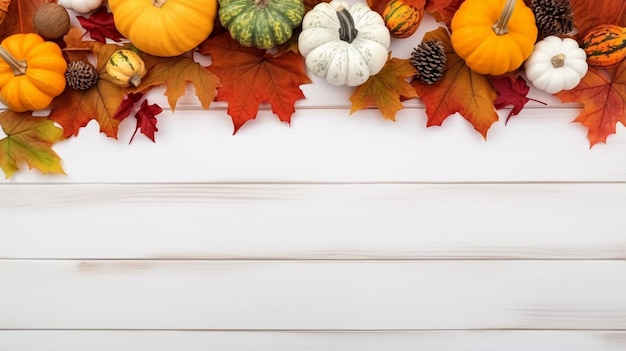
(32, 72)
(401, 18)
(605, 45)
(493, 36)
(164, 27)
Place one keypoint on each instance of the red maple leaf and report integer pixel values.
(252, 76)
(512, 90)
(100, 26)
(146, 120)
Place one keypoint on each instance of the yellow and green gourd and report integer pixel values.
(261, 23)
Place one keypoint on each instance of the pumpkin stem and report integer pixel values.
(558, 60)
(135, 80)
(347, 29)
(261, 3)
(500, 27)
(158, 3)
(18, 66)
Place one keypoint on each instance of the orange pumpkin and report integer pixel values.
(32, 72)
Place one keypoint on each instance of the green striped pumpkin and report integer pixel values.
(402, 19)
(261, 23)
(605, 45)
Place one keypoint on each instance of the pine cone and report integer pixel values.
(429, 58)
(553, 17)
(81, 75)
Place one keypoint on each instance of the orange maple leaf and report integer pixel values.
(174, 73)
(443, 10)
(19, 17)
(603, 95)
(588, 14)
(74, 109)
(385, 89)
(460, 90)
(28, 140)
(251, 76)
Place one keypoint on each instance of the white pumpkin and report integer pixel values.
(346, 45)
(81, 6)
(556, 64)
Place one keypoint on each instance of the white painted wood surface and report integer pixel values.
(339, 232)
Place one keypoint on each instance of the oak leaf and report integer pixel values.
(385, 89)
(28, 140)
(511, 90)
(74, 109)
(603, 95)
(252, 76)
(174, 73)
(588, 14)
(460, 90)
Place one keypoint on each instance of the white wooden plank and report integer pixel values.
(305, 295)
(312, 341)
(313, 221)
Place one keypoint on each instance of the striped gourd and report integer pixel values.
(261, 23)
(605, 45)
(402, 18)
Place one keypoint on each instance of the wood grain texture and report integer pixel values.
(313, 295)
(313, 221)
(312, 341)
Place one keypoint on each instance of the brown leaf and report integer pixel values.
(19, 17)
(588, 14)
(460, 90)
(443, 10)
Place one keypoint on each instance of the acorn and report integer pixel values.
(51, 21)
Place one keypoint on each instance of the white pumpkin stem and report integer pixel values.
(558, 60)
(135, 80)
(347, 29)
(500, 27)
(18, 66)
(158, 3)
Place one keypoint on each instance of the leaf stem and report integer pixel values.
(19, 66)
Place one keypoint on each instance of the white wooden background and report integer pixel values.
(339, 232)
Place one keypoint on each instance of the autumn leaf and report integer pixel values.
(252, 76)
(460, 90)
(385, 89)
(174, 73)
(100, 25)
(127, 106)
(603, 95)
(19, 18)
(588, 14)
(443, 10)
(511, 90)
(146, 120)
(74, 109)
(28, 140)
(309, 4)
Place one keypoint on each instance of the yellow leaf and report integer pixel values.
(28, 140)
(386, 89)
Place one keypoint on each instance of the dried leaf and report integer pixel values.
(4, 9)
(100, 26)
(174, 73)
(28, 140)
(460, 90)
(19, 17)
(127, 106)
(588, 14)
(443, 10)
(74, 109)
(146, 120)
(512, 90)
(385, 89)
(603, 95)
(309, 4)
(251, 76)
